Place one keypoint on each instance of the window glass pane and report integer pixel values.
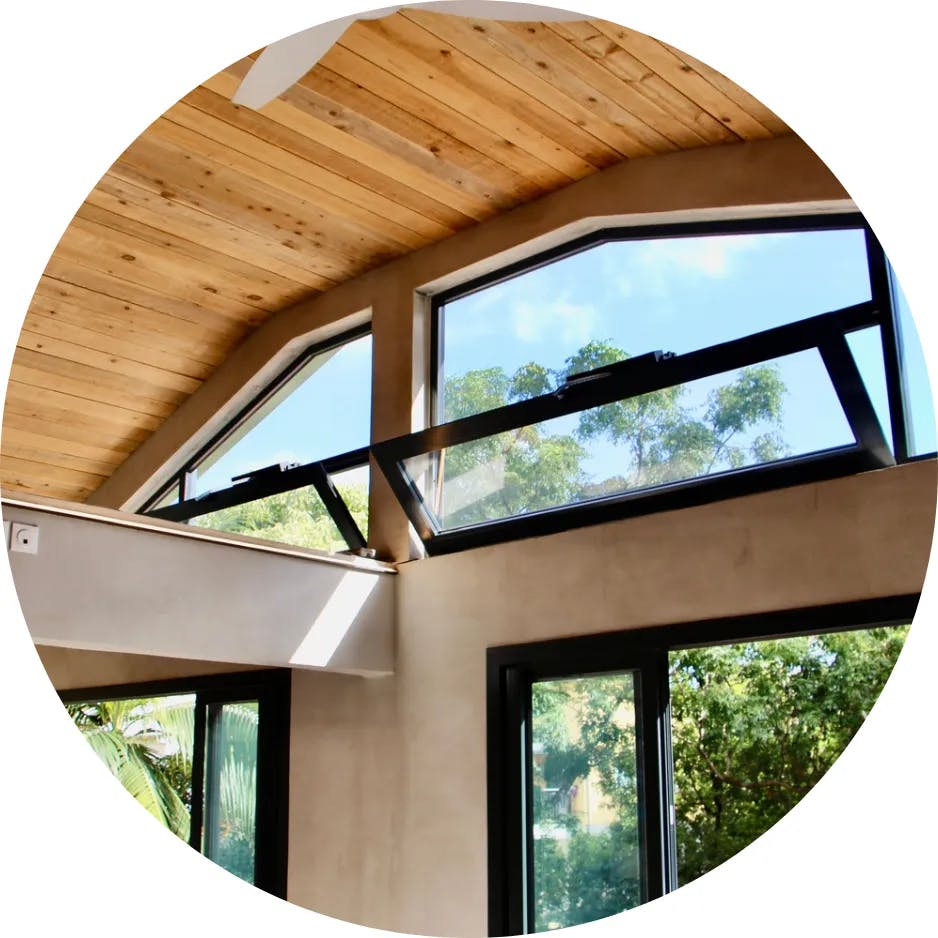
(866, 346)
(298, 518)
(231, 787)
(147, 745)
(756, 725)
(353, 486)
(919, 400)
(324, 410)
(784, 408)
(630, 297)
(587, 856)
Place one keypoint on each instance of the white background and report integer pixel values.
(81, 80)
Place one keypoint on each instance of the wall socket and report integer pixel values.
(24, 538)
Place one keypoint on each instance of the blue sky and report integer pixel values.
(675, 295)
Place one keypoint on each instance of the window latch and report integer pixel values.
(608, 371)
(266, 472)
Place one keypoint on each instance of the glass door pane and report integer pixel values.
(228, 830)
(584, 783)
(756, 725)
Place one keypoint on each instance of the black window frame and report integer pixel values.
(512, 669)
(266, 481)
(825, 332)
(271, 688)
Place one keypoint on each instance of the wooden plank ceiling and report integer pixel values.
(410, 129)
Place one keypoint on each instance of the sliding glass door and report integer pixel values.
(622, 766)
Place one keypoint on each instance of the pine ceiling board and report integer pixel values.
(236, 148)
(129, 257)
(454, 48)
(371, 42)
(53, 337)
(24, 440)
(189, 224)
(308, 122)
(202, 341)
(683, 77)
(92, 390)
(335, 247)
(550, 69)
(16, 449)
(535, 128)
(84, 278)
(520, 173)
(634, 75)
(103, 379)
(93, 410)
(72, 434)
(292, 186)
(742, 97)
(394, 130)
(246, 280)
(655, 124)
(39, 483)
(193, 352)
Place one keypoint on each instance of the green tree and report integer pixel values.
(754, 727)
(147, 745)
(664, 436)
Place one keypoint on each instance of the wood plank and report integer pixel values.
(25, 440)
(333, 246)
(416, 101)
(62, 340)
(743, 98)
(14, 450)
(433, 39)
(71, 436)
(686, 79)
(370, 42)
(550, 70)
(200, 342)
(203, 350)
(392, 128)
(60, 272)
(311, 126)
(26, 482)
(283, 160)
(103, 415)
(181, 221)
(272, 290)
(47, 371)
(131, 258)
(296, 186)
(631, 73)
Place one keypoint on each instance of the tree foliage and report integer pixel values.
(754, 727)
(664, 436)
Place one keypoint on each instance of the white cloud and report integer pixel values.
(573, 323)
(711, 257)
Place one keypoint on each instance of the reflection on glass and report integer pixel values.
(866, 346)
(353, 486)
(147, 745)
(587, 862)
(228, 830)
(324, 410)
(298, 518)
(920, 403)
(755, 726)
(756, 415)
(676, 294)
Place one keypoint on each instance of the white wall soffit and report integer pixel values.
(110, 582)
